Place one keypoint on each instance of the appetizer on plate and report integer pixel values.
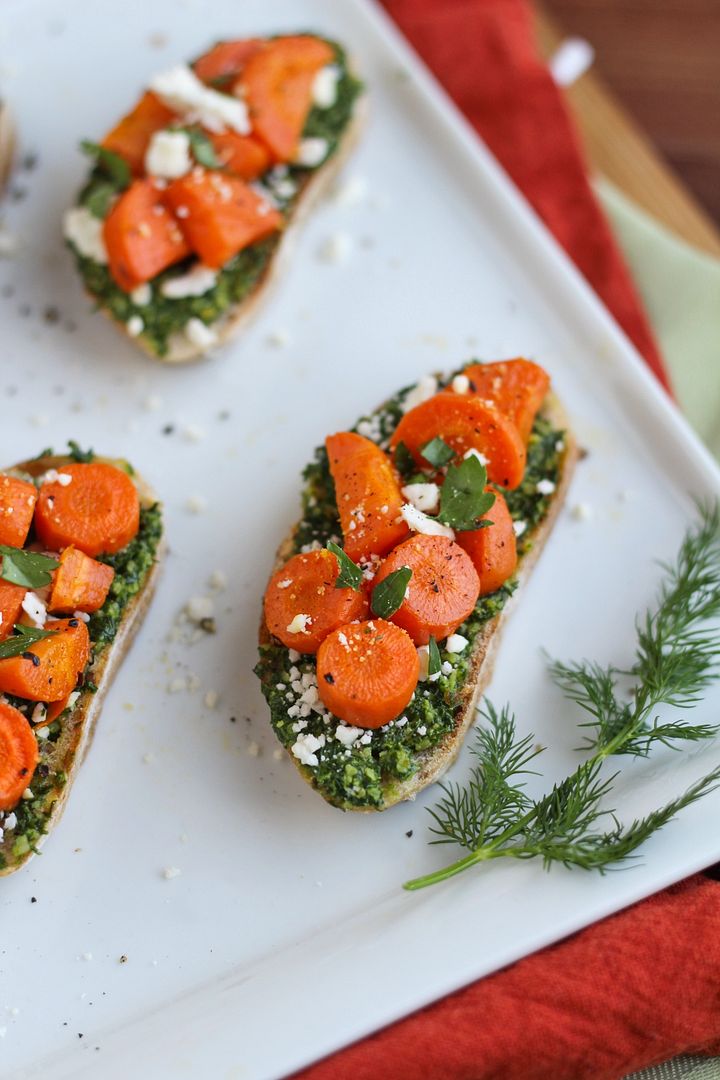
(80, 540)
(180, 225)
(385, 605)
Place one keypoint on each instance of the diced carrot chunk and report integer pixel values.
(226, 59)
(11, 598)
(141, 236)
(243, 155)
(49, 668)
(79, 583)
(17, 504)
(130, 138)
(493, 550)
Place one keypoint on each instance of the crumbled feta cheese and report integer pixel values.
(461, 384)
(197, 333)
(476, 453)
(422, 730)
(424, 497)
(311, 152)
(196, 504)
(305, 746)
(420, 523)
(81, 615)
(299, 624)
(424, 660)
(544, 487)
(324, 87)
(253, 749)
(284, 584)
(350, 192)
(278, 754)
(218, 580)
(52, 476)
(27, 794)
(196, 281)
(168, 154)
(39, 713)
(184, 93)
(10, 822)
(171, 872)
(446, 667)
(583, 512)
(199, 608)
(33, 606)
(85, 233)
(153, 403)
(346, 734)
(366, 739)
(293, 656)
(194, 433)
(142, 295)
(134, 325)
(8, 244)
(335, 248)
(422, 391)
(456, 643)
(519, 527)
(211, 699)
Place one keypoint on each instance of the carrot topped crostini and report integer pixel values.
(80, 539)
(384, 608)
(178, 227)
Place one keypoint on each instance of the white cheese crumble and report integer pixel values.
(346, 734)
(299, 624)
(519, 527)
(168, 154)
(33, 606)
(324, 87)
(171, 872)
(311, 152)
(461, 384)
(52, 476)
(424, 497)
(420, 523)
(183, 92)
(197, 333)
(39, 713)
(153, 403)
(424, 659)
(197, 281)
(544, 487)
(10, 822)
(85, 233)
(350, 192)
(335, 248)
(211, 699)
(456, 643)
(583, 512)
(134, 325)
(422, 391)
(196, 504)
(218, 580)
(476, 453)
(142, 295)
(279, 339)
(305, 746)
(199, 608)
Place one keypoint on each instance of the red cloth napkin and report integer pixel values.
(643, 985)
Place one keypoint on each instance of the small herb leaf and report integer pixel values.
(437, 452)
(99, 198)
(404, 461)
(26, 568)
(389, 594)
(202, 148)
(25, 636)
(463, 498)
(83, 456)
(115, 166)
(350, 575)
(433, 657)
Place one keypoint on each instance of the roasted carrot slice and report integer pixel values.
(367, 494)
(79, 583)
(50, 668)
(516, 387)
(226, 59)
(17, 503)
(465, 423)
(302, 595)
(220, 215)
(54, 709)
(493, 549)
(131, 136)
(443, 589)
(277, 85)
(367, 672)
(11, 598)
(243, 155)
(18, 755)
(141, 237)
(98, 511)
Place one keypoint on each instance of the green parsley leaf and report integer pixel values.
(389, 594)
(463, 498)
(47, 452)
(99, 198)
(350, 575)
(83, 456)
(404, 461)
(24, 636)
(437, 452)
(26, 568)
(202, 149)
(111, 163)
(433, 657)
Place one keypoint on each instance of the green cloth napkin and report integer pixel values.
(680, 287)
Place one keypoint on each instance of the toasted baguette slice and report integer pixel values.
(434, 762)
(65, 755)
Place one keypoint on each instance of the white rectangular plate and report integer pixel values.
(286, 934)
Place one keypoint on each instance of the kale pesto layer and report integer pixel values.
(162, 318)
(363, 775)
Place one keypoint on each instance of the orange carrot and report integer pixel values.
(493, 549)
(49, 669)
(442, 591)
(98, 511)
(303, 592)
(220, 215)
(367, 494)
(11, 598)
(141, 237)
(79, 583)
(17, 503)
(18, 755)
(367, 672)
(465, 423)
(277, 85)
(54, 709)
(130, 138)
(226, 59)
(243, 155)
(516, 387)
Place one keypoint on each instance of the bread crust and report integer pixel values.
(434, 762)
(78, 729)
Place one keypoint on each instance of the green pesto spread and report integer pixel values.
(162, 317)
(364, 774)
(131, 566)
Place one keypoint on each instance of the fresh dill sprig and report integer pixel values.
(677, 657)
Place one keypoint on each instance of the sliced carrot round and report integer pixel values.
(493, 550)
(18, 755)
(302, 595)
(367, 494)
(98, 511)
(49, 669)
(226, 59)
(17, 503)
(465, 423)
(141, 237)
(367, 672)
(79, 583)
(516, 387)
(11, 598)
(277, 85)
(442, 591)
